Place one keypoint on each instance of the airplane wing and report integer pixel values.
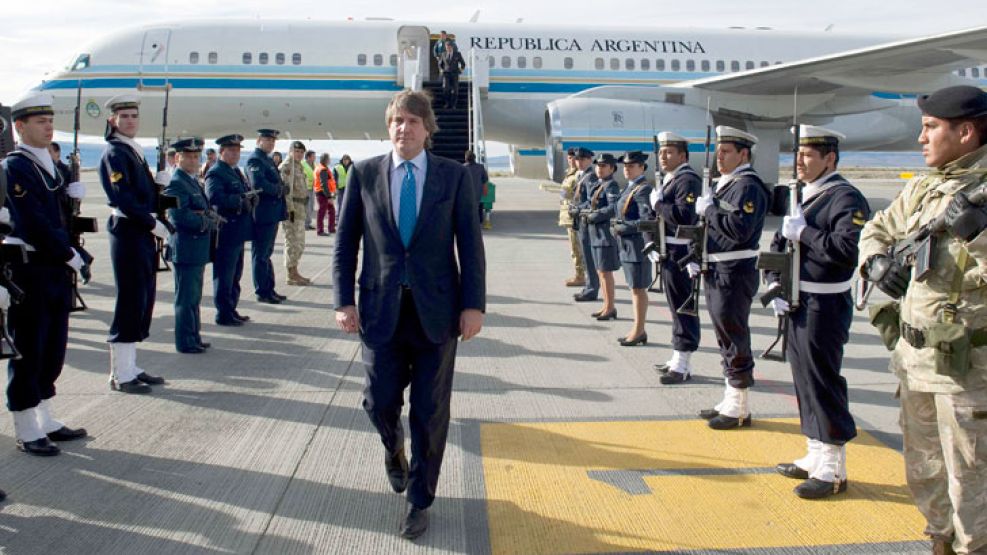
(908, 66)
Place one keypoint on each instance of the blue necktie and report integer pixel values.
(408, 211)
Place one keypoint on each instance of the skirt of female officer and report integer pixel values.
(637, 274)
(607, 259)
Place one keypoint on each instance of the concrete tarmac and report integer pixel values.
(561, 440)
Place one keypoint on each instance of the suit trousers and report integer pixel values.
(730, 289)
(227, 269)
(409, 358)
(188, 297)
(450, 88)
(39, 327)
(261, 250)
(678, 289)
(592, 287)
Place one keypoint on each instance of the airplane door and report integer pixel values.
(154, 52)
(413, 53)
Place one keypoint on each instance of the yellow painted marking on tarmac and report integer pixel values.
(541, 500)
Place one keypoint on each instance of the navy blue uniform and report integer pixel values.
(678, 207)
(225, 187)
(601, 199)
(271, 210)
(734, 225)
(580, 199)
(131, 190)
(631, 207)
(188, 250)
(820, 327)
(39, 323)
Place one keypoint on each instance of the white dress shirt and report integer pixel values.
(419, 168)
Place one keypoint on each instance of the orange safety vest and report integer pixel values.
(318, 179)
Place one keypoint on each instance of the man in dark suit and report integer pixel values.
(416, 214)
(451, 64)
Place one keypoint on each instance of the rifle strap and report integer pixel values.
(630, 197)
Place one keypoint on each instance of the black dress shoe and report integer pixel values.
(241, 317)
(267, 300)
(397, 471)
(133, 386)
(639, 340)
(664, 368)
(612, 315)
(818, 489)
(205, 344)
(724, 422)
(40, 447)
(193, 350)
(232, 321)
(279, 296)
(144, 377)
(789, 470)
(708, 414)
(584, 297)
(67, 434)
(673, 378)
(415, 523)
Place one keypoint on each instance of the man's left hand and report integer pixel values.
(470, 322)
(792, 226)
(965, 219)
(76, 190)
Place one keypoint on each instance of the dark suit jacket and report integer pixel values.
(447, 228)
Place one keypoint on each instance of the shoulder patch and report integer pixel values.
(19, 191)
(690, 198)
(858, 218)
(115, 176)
(749, 207)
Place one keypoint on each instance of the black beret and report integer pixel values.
(298, 145)
(230, 140)
(634, 157)
(192, 144)
(961, 101)
(606, 158)
(582, 152)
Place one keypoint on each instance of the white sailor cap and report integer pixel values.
(34, 104)
(727, 134)
(815, 135)
(123, 101)
(666, 138)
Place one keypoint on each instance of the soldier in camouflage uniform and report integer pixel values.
(565, 220)
(941, 355)
(293, 175)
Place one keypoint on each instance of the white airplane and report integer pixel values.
(542, 88)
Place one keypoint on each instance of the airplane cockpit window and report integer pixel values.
(247, 58)
(629, 64)
(193, 57)
(262, 58)
(378, 59)
(721, 66)
(296, 59)
(645, 64)
(614, 64)
(80, 63)
(361, 59)
(279, 58)
(213, 58)
(567, 62)
(735, 66)
(522, 62)
(676, 65)
(598, 63)
(505, 62)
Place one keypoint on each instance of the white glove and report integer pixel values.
(162, 178)
(693, 269)
(4, 216)
(702, 203)
(77, 190)
(655, 196)
(160, 230)
(4, 298)
(654, 256)
(780, 306)
(792, 226)
(75, 262)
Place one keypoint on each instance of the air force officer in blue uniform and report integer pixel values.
(271, 211)
(227, 189)
(188, 247)
(416, 215)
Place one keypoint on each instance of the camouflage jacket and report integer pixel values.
(299, 187)
(568, 188)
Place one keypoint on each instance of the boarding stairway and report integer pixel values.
(453, 138)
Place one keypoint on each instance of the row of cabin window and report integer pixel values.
(361, 60)
(262, 58)
(600, 63)
(974, 72)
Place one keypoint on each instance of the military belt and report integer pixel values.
(916, 337)
(300, 199)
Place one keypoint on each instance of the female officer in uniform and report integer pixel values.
(604, 247)
(632, 207)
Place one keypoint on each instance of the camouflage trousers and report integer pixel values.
(576, 253)
(945, 440)
(294, 235)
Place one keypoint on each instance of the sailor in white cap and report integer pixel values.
(133, 225)
(827, 226)
(39, 322)
(674, 200)
(734, 219)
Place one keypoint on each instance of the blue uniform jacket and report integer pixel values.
(678, 204)
(191, 240)
(602, 203)
(128, 184)
(35, 210)
(225, 186)
(834, 219)
(635, 197)
(263, 175)
(736, 219)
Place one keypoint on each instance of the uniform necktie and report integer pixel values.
(407, 213)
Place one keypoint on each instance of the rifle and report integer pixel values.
(656, 228)
(77, 223)
(163, 202)
(785, 263)
(8, 252)
(696, 234)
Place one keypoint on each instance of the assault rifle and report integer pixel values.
(163, 202)
(79, 224)
(9, 253)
